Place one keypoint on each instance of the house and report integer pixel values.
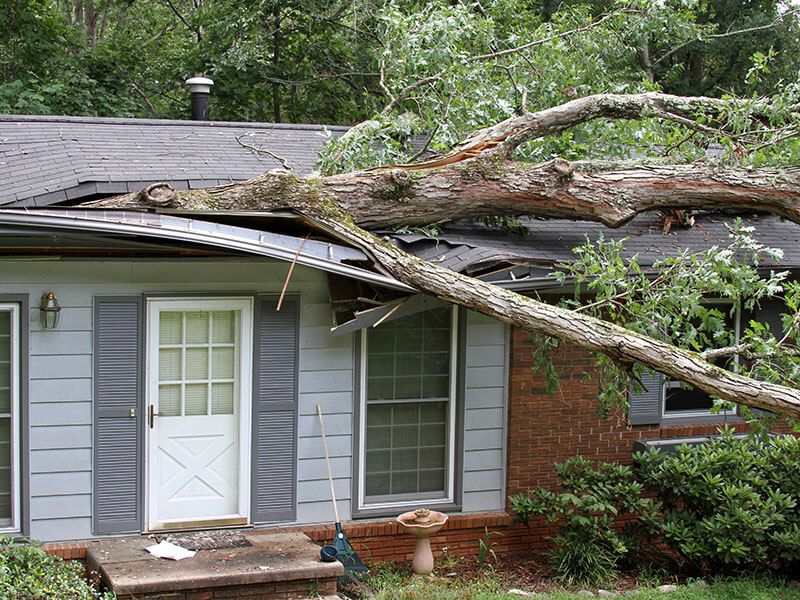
(155, 375)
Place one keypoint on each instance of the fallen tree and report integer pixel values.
(480, 178)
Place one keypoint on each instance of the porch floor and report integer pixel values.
(279, 566)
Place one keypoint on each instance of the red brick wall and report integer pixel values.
(384, 541)
(547, 429)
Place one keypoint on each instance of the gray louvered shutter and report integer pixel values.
(118, 341)
(275, 410)
(645, 408)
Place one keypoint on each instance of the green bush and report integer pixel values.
(590, 544)
(731, 503)
(27, 572)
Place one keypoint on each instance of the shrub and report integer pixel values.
(730, 503)
(27, 572)
(590, 543)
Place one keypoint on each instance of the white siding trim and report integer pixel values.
(16, 463)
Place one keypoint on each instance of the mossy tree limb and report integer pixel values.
(478, 179)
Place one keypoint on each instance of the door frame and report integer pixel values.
(153, 306)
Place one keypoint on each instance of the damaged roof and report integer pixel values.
(46, 161)
(50, 159)
(483, 251)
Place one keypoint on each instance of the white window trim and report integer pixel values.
(245, 304)
(451, 429)
(668, 384)
(16, 504)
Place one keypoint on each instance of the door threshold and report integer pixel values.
(199, 524)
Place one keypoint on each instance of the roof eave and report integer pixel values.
(197, 231)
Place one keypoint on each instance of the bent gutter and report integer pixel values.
(310, 253)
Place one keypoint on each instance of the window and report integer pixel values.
(198, 362)
(681, 400)
(9, 410)
(408, 410)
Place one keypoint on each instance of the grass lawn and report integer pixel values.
(397, 585)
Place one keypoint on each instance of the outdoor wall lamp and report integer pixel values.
(49, 309)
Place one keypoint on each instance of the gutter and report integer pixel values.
(318, 255)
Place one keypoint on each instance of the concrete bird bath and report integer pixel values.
(422, 524)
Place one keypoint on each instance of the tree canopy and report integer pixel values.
(341, 62)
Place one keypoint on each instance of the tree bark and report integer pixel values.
(623, 346)
(488, 187)
(478, 179)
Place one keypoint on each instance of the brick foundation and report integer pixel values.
(379, 541)
(384, 541)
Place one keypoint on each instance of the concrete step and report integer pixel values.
(281, 566)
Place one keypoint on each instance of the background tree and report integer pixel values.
(308, 60)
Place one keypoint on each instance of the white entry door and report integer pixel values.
(198, 378)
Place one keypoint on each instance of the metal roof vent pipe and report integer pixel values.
(200, 87)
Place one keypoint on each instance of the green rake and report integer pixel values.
(345, 552)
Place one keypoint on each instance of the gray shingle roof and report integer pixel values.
(44, 160)
(471, 248)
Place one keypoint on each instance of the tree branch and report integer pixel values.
(478, 180)
(257, 150)
(557, 36)
(394, 100)
(183, 20)
(488, 187)
(714, 353)
(619, 344)
(716, 36)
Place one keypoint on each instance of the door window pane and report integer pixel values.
(223, 326)
(170, 364)
(196, 399)
(223, 363)
(196, 363)
(171, 328)
(169, 400)
(197, 327)
(221, 398)
(199, 358)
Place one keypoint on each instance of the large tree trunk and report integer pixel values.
(485, 186)
(623, 346)
(478, 179)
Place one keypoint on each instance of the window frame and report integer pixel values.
(451, 498)
(677, 417)
(15, 380)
